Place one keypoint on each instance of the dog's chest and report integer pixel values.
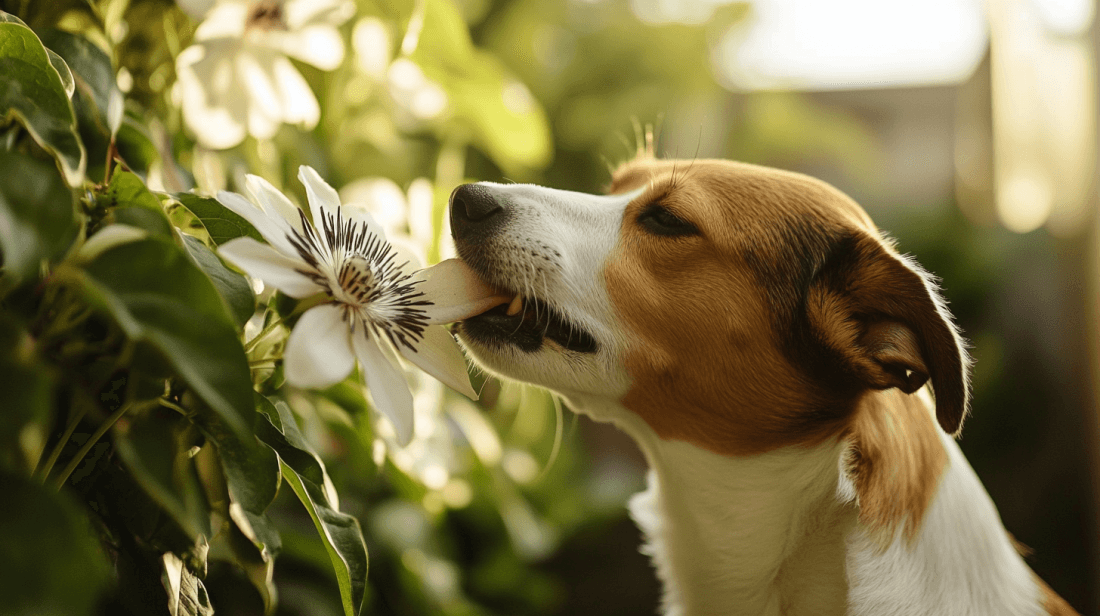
(729, 540)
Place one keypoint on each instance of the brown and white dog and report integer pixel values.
(768, 350)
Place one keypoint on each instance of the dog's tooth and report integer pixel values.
(515, 306)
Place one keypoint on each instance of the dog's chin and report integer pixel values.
(536, 345)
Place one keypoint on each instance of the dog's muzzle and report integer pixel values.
(479, 220)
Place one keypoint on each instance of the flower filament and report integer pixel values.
(358, 269)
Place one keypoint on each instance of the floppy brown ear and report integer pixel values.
(884, 317)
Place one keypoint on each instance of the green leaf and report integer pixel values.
(33, 91)
(134, 145)
(305, 473)
(252, 476)
(158, 297)
(127, 190)
(98, 102)
(220, 222)
(93, 75)
(186, 593)
(257, 565)
(342, 537)
(37, 220)
(129, 202)
(499, 112)
(233, 287)
(280, 431)
(25, 396)
(53, 562)
(152, 448)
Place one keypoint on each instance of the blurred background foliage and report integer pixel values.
(508, 505)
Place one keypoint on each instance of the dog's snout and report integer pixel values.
(475, 210)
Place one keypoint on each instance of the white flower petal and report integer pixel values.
(386, 382)
(256, 73)
(224, 19)
(213, 108)
(300, 13)
(319, 45)
(273, 267)
(272, 200)
(322, 198)
(273, 228)
(360, 215)
(456, 292)
(440, 356)
(318, 352)
(408, 255)
(299, 105)
(373, 46)
(382, 197)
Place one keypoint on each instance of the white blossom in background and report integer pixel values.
(369, 310)
(373, 45)
(237, 79)
(416, 97)
(406, 217)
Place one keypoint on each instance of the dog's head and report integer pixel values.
(737, 307)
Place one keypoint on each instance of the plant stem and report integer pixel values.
(168, 404)
(92, 440)
(43, 473)
(263, 334)
(107, 164)
(302, 306)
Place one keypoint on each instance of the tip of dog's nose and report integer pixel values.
(474, 204)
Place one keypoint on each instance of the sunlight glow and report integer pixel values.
(849, 44)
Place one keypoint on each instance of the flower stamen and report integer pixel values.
(360, 272)
(266, 15)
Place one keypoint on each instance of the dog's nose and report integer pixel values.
(475, 210)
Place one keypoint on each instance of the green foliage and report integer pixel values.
(38, 222)
(306, 475)
(232, 287)
(217, 220)
(25, 391)
(159, 298)
(37, 92)
(55, 565)
(148, 437)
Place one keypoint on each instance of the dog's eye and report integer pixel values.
(657, 220)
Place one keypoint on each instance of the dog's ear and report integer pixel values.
(883, 316)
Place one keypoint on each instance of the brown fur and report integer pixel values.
(896, 463)
(806, 309)
(1052, 603)
(707, 379)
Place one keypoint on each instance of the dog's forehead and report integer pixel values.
(742, 193)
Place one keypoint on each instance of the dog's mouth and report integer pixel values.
(527, 322)
(527, 326)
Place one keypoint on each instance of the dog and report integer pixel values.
(771, 353)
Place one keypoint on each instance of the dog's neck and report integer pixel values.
(779, 533)
(759, 535)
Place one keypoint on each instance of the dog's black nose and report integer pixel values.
(475, 211)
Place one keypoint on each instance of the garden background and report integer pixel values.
(152, 459)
